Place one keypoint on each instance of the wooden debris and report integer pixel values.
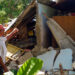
(24, 57)
(61, 69)
(67, 23)
(11, 50)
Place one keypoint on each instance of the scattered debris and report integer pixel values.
(23, 58)
(63, 62)
(52, 45)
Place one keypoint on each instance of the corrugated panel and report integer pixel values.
(11, 49)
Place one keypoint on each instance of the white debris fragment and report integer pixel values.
(48, 59)
(73, 65)
(40, 73)
(64, 58)
(8, 73)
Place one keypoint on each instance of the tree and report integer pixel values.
(11, 8)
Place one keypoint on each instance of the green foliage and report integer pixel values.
(11, 8)
(14, 72)
(30, 67)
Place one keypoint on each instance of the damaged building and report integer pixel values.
(47, 33)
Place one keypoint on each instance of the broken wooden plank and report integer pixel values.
(11, 50)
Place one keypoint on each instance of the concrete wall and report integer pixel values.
(43, 34)
(46, 35)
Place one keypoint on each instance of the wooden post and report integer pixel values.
(61, 69)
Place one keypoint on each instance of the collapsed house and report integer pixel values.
(26, 25)
(40, 28)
